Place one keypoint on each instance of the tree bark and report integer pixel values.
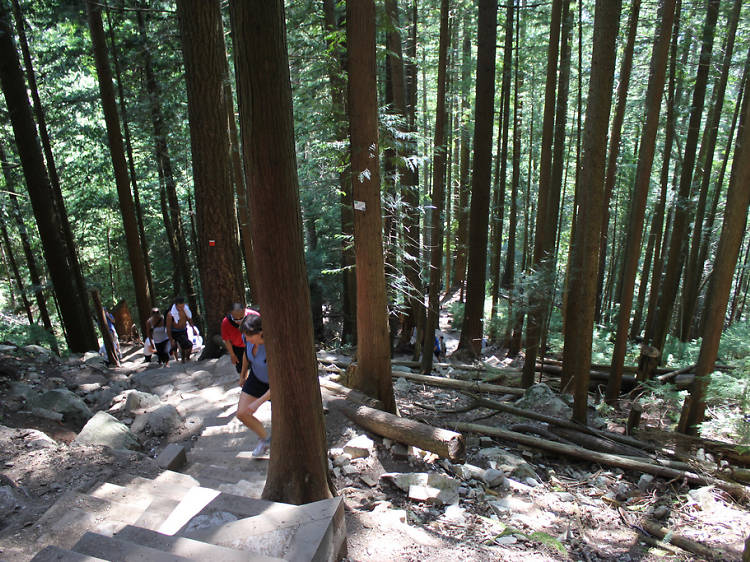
(298, 470)
(438, 182)
(682, 211)
(373, 341)
(471, 332)
(642, 184)
(218, 250)
(119, 164)
(579, 318)
(61, 259)
(735, 218)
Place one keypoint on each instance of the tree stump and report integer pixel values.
(124, 324)
(647, 363)
(634, 418)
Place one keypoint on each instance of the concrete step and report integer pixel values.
(314, 531)
(74, 514)
(226, 441)
(255, 473)
(168, 484)
(119, 550)
(201, 505)
(56, 554)
(189, 548)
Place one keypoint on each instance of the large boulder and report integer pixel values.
(541, 398)
(159, 421)
(138, 400)
(104, 429)
(509, 463)
(65, 402)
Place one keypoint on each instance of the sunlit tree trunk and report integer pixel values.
(373, 374)
(218, 250)
(735, 218)
(579, 319)
(61, 259)
(471, 332)
(632, 251)
(678, 238)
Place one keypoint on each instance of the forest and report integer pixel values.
(569, 179)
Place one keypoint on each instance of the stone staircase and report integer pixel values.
(209, 511)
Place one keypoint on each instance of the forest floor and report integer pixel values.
(548, 508)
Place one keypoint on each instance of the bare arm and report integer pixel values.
(245, 368)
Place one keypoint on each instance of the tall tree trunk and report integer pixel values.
(131, 162)
(543, 259)
(298, 471)
(373, 375)
(694, 268)
(462, 230)
(337, 83)
(49, 159)
(117, 152)
(584, 263)
(36, 281)
(735, 219)
(682, 211)
(471, 332)
(501, 169)
(438, 181)
(614, 143)
(10, 255)
(61, 259)
(177, 236)
(219, 261)
(654, 94)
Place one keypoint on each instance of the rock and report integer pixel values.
(160, 421)
(172, 457)
(359, 447)
(531, 482)
(21, 390)
(509, 463)
(47, 414)
(400, 451)
(623, 492)
(209, 521)
(341, 460)
(368, 480)
(104, 429)
(349, 470)
(426, 486)
(37, 349)
(138, 400)
(494, 478)
(454, 514)
(705, 497)
(507, 539)
(64, 402)
(541, 398)
(645, 481)
(89, 387)
(565, 496)
(598, 423)
(7, 348)
(660, 512)
(10, 501)
(35, 439)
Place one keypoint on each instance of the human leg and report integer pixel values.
(246, 414)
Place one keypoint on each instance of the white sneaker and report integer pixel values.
(262, 447)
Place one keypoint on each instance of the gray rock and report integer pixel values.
(565, 496)
(541, 398)
(349, 470)
(401, 384)
(660, 512)
(510, 464)
(422, 486)
(341, 460)
(65, 402)
(7, 348)
(400, 451)
(359, 447)
(104, 429)
(38, 349)
(209, 521)
(494, 478)
(468, 471)
(89, 387)
(160, 421)
(47, 414)
(10, 501)
(645, 481)
(138, 400)
(21, 390)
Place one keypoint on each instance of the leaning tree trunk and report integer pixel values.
(735, 218)
(471, 332)
(581, 303)
(298, 472)
(373, 375)
(61, 260)
(117, 152)
(218, 249)
(642, 183)
(683, 209)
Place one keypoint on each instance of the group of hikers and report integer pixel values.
(171, 333)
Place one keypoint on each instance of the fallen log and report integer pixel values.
(723, 449)
(624, 439)
(457, 384)
(351, 394)
(596, 443)
(442, 442)
(705, 552)
(736, 490)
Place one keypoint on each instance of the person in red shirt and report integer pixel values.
(231, 334)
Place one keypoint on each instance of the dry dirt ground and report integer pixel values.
(553, 509)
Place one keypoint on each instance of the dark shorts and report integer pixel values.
(254, 387)
(161, 351)
(181, 339)
(239, 353)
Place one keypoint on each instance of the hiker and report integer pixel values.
(113, 331)
(178, 318)
(160, 339)
(231, 334)
(254, 381)
(148, 342)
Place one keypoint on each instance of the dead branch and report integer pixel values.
(684, 543)
(459, 384)
(736, 490)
